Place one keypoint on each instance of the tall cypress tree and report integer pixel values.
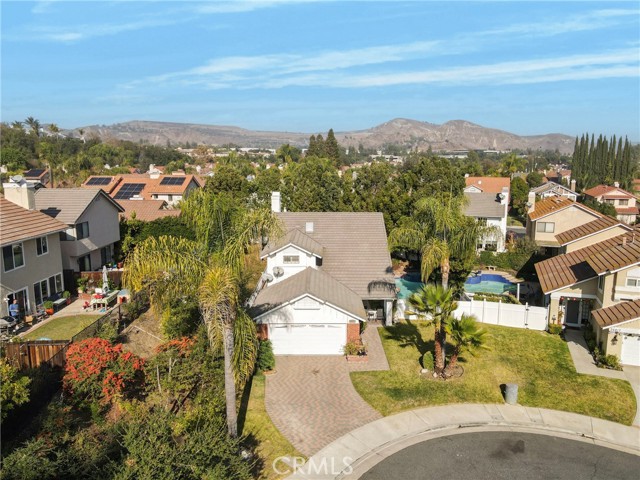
(331, 148)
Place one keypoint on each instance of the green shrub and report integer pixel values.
(554, 328)
(427, 361)
(108, 331)
(354, 348)
(490, 297)
(180, 319)
(266, 360)
(610, 361)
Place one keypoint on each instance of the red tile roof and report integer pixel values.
(604, 190)
(489, 184)
(555, 204)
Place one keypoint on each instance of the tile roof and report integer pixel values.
(603, 190)
(151, 185)
(555, 204)
(616, 314)
(316, 283)
(570, 268)
(355, 249)
(147, 210)
(19, 224)
(297, 238)
(67, 204)
(488, 184)
(483, 205)
(587, 229)
(94, 181)
(627, 210)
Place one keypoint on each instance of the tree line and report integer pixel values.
(603, 161)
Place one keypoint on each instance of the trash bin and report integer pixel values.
(511, 393)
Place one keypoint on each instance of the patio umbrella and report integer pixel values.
(105, 279)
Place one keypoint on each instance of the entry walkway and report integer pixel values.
(358, 451)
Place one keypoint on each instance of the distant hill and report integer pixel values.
(452, 135)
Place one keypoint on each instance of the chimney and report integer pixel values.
(504, 196)
(308, 227)
(616, 184)
(624, 240)
(573, 185)
(531, 202)
(20, 192)
(275, 202)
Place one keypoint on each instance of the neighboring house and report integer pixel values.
(488, 202)
(553, 189)
(93, 226)
(561, 176)
(146, 210)
(327, 275)
(592, 279)
(31, 257)
(170, 188)
(38, 176)
(623, 201)
(548, 218)
(617, 330)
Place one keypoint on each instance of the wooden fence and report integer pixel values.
(34, 353)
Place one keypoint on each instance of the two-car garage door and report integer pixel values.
(308, 339)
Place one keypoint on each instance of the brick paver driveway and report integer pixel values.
(311, 400)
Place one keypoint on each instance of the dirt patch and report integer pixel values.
(142, 336)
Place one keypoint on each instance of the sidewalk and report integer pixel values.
(358, 451)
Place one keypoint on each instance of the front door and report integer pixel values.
(573, 313)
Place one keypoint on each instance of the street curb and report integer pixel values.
(359, 450)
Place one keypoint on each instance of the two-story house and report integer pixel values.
(31, 262)
(327, 275)
(594, 285)
(92, 221)
(553, 189)
(623, 201)
(556, 222)
(487, 200)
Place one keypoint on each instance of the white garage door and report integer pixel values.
(306, 339)
(630, 350)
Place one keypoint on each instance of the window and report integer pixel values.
(633, 282)
(545, 227)
(491, 245)
(482, 220)
(41, 291)
(42, 246)
(82, 230)
(601, 282)
(55, 284)
(291, 259)
(610, 201)
(106, 255)
(12, 256)
(84, 263)
(623, 202)
(69, 235)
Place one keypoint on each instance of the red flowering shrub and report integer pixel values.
(183, 346)
(97, 370)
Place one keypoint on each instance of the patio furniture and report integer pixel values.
(58, 304)
(104, 301)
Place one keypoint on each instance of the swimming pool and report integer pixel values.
(408, 284)
(489, 283)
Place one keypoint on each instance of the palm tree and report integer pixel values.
(34, 125)
(435, 303)
(17, 125)
(439, 231)
(465, 335)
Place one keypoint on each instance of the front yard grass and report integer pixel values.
(257, 425)
(538, 362)
(62, 328)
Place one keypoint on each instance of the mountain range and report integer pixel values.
(417, 135)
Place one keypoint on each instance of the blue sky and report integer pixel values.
(525, 67)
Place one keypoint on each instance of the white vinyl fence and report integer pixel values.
(495, 313)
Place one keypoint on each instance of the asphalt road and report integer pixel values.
(506, 455)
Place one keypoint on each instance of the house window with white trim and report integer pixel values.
(13, 257)
(291, 259)
(545, 227)
(42, 247)
(82, 230)
(633, 282)
(41, 291)
(623, 202)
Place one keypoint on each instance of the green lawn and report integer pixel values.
(538, 362)
(62, 328)
(258, 427)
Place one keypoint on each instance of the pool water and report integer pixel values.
(408, 285)
(489, 283)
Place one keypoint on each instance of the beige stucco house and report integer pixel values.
(31, 265)
(593, 279)
(624, 202)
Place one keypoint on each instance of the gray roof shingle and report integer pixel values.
(483, 205)
(68, 204)
(312, 282)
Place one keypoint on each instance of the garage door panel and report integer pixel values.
(630, 350)
(308, 339)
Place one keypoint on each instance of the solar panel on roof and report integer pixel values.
(34, 172)
(99, 181)
(172, 181)
(128, 190)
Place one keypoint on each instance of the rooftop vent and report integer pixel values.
(308, 228)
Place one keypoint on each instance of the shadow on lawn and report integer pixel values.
(407, 334)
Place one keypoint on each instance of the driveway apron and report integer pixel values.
(311, 400)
